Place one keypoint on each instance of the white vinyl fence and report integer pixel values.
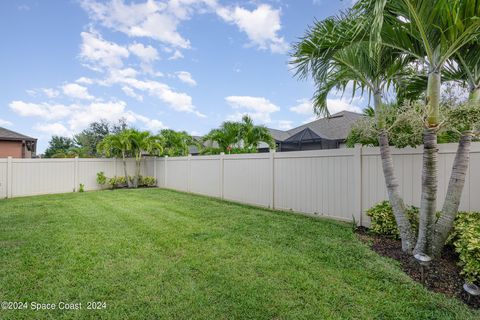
(337, 183)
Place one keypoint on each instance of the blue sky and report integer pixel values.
(180, 64)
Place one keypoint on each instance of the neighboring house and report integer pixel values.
(324, 133)
(16, 145)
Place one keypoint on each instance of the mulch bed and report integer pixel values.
(443, 275)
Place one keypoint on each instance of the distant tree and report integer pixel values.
(253, 135)
(176, 143)
(60, 147)
(88, 139)
(237, 137)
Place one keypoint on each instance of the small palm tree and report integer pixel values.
(143, 142)
(253, 135)
(118, 145)
(228, 136)
(177, 143)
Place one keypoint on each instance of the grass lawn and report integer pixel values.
(154, 254)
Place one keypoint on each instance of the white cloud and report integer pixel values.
(43, 110)
(304, 106)
(261, 25)
(151, 19)
(146, 54)
(186, 77)
(334, 105)
(84, 80)
(48, 92)
(99, 53)
(178, 101)
(259, 108)
(284, 124)
(176, 55)
(76, 91)
(131, 93)
(54, 129)
(4, 123)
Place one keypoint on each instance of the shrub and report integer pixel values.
(148, 181)
(466, 240)
(101, 178)
(383, 220)
(82, 188)
(116, 182)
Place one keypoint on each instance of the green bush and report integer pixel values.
(101, 178)
(148, 181)
(116, 182)
(82, 188)
(466, 240)
(383, 221)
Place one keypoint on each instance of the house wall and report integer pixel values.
(11, 149)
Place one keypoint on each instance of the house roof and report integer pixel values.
(335, 127)
(10, 135)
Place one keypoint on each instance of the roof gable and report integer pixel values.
(6, 134)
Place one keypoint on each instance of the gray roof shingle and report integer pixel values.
(335, 127)
(6, 134)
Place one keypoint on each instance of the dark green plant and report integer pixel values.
(101, 178)
(148, 181)
(81, 188)
(383, 220)
(466, 240)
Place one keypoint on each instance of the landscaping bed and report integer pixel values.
(443, 275)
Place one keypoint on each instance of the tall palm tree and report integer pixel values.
(336, 53)
(432, 31)
(252, 135)
(143, 142)
(118, 145)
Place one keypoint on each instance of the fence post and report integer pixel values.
(155, 169)
(75, 174)
(189, 171)
(165, 176)
(357, 189)
(272, 178)
(222, 158)
(9, 177)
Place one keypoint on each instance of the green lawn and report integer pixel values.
(153, 254)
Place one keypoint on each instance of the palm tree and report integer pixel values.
(118, 145)
(253, 135)
(143, 142)
(227, 136)
(177, 143)
(336, 53)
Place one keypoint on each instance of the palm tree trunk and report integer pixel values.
(429, 170)
(138, 160)
(456, 184)
(454, 193)
(125, 170)
(405, 229)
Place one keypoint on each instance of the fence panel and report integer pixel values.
(88, 169)
(3, 178)
(205, 175)
(42, 176)
(177, 173)
(247, 178)
(316, 182)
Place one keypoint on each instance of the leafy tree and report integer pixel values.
(118, 145)
(143, 142)
(60, 147)
(88, 139)
(227, 137)
(177, 143)
(253, 135)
